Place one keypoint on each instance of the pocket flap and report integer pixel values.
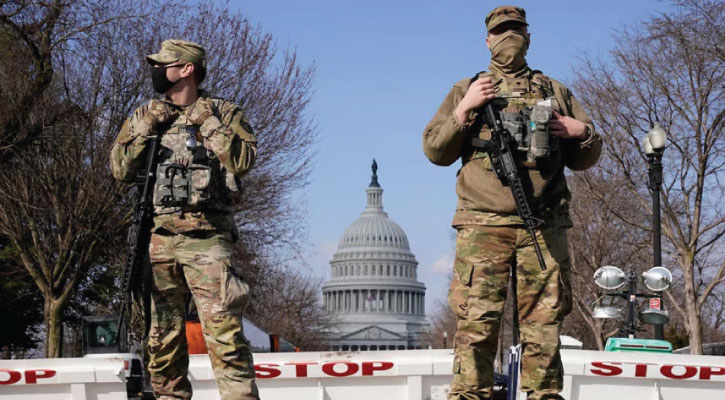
(235, 292)
(463, 270)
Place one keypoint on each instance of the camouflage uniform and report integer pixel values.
(191, 242)
(492, 239)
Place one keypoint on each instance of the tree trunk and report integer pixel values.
(52, 311)
(693, 318)
(694, 327)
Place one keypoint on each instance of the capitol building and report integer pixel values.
(373, 291)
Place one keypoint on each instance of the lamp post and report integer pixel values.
(654, 146)
(445, 339)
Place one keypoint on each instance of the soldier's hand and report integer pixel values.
(567, 127)
(199, 111)
(158, 112)
(478, 94)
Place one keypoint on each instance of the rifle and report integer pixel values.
(501, 149)
(137, 270)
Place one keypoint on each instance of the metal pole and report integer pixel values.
(632, 301)
(655, 161)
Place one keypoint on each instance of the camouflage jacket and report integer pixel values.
(226, 137)
(482, 199)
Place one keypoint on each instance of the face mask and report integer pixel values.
(159, 80)
(508, 51)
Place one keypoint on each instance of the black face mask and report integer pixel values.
(159, 80)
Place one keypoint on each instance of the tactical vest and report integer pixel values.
(519, 101)
(189, 177)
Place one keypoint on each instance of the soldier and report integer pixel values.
(205, 146)
(491, 237)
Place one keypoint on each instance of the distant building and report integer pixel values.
(373, 290)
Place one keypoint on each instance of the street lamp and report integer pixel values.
(618, 284)
(445, 339)
(654, 146)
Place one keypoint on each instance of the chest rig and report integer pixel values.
(525, 105)
(189, 177)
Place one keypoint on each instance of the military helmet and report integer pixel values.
(502, 14)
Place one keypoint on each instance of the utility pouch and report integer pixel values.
(234, 291)
(201, 177)
(513, 123)
(172, 185)
(538, 133)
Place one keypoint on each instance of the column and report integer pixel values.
(377, 301)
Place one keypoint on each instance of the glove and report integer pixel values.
(198, 112)
(157, 112)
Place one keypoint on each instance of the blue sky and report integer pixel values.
(383, 67)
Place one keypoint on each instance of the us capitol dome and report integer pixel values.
(373, 291)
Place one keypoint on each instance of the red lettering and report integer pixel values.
(369, 367)
(640, 370)
(350, 368)
(301, 368)
(14, 376)
(267, 371)
(690, 371)
(32, 375)
(610, 370)
(707, 372)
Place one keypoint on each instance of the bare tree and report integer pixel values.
(599, 238)
(288, 304)
(60, 207)
(670, 69)
(443, 325)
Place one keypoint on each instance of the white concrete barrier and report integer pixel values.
(63, 379)
(398, 375)
(381, 375)
(426, 375)
(599, 375)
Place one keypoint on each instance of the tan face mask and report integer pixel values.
(508, 51)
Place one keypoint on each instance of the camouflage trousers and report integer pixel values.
(199, 261)
(484, 256)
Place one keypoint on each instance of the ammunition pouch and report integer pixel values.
(172, 185)
(529, 128)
